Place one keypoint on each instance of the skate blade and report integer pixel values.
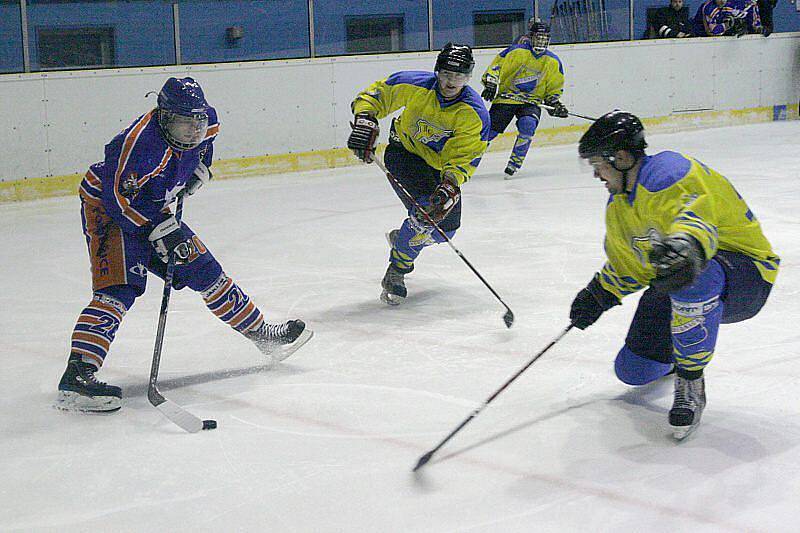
(286, 350)
(391, 299)
(681, 432)
(74, 402)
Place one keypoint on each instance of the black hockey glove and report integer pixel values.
(489, 91)
(364, 137)
(200, 177)
(170, 237)
(678, 259)
(444, 198)
(590, 303)
(556, 108)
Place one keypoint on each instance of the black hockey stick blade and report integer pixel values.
(423, 460)
(508, 318)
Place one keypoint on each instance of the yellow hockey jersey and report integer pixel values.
(675, 193)
(524, 76)
(451, 136)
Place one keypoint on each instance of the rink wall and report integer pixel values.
(291, 115)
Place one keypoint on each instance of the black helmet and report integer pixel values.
(540, 35)
(613, 131)
(456, 58)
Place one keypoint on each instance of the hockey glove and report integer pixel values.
(200, 177)
(169, 237)
(556, 108)
(489, 91)
(590, 303)
(364, 137)
(444, 198)
(678, 259)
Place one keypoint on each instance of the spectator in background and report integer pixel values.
(669, 22)
(727, 17)
(765, 10)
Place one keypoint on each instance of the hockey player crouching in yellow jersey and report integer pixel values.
(435, 145)
(520, 78)
(679, 227)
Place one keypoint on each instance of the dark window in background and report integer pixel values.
(63, 48)
(374, 34)
(498, 28)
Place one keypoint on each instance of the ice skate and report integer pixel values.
(394, 286)
(690, 400)
(279, 341)
(80, 390)
(510, 171)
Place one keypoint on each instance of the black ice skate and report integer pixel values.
(394, 286)
(690, 400)
(80, 390)
(511, 170)
(279, 341)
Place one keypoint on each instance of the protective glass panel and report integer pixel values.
(479, 23)
(214, 31)
(582, 21)
(11, 44)
(370, 27)
(89, 34)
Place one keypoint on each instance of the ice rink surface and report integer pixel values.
(326, 441)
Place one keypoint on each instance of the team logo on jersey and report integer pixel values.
(526, 79)
(130, 186)
(431, 135)
(172, 193)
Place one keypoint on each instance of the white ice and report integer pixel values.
(326, 441)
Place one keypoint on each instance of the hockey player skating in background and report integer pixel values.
(434, 147)
(130, 232)
(680, 227)
(518, 79)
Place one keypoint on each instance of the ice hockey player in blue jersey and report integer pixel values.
(679, 227)
(130, 231)
(727, 17)
(435, 145)
(517, 82)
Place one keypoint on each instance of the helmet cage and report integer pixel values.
(539, 34)
(183, 132)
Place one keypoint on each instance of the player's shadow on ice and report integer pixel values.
(140, 389)
(428, 303)
(726, 437)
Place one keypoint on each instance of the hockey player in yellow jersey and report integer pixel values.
(435, 145)
(520, 78)
(679, 227)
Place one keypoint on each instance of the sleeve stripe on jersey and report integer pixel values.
(158, 169)
(127, 148)
(212, 131)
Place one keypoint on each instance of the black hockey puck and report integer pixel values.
(209, 424)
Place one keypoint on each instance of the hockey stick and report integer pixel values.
(508, 317)
(168, 408)
(542, 105)
(427, 457)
